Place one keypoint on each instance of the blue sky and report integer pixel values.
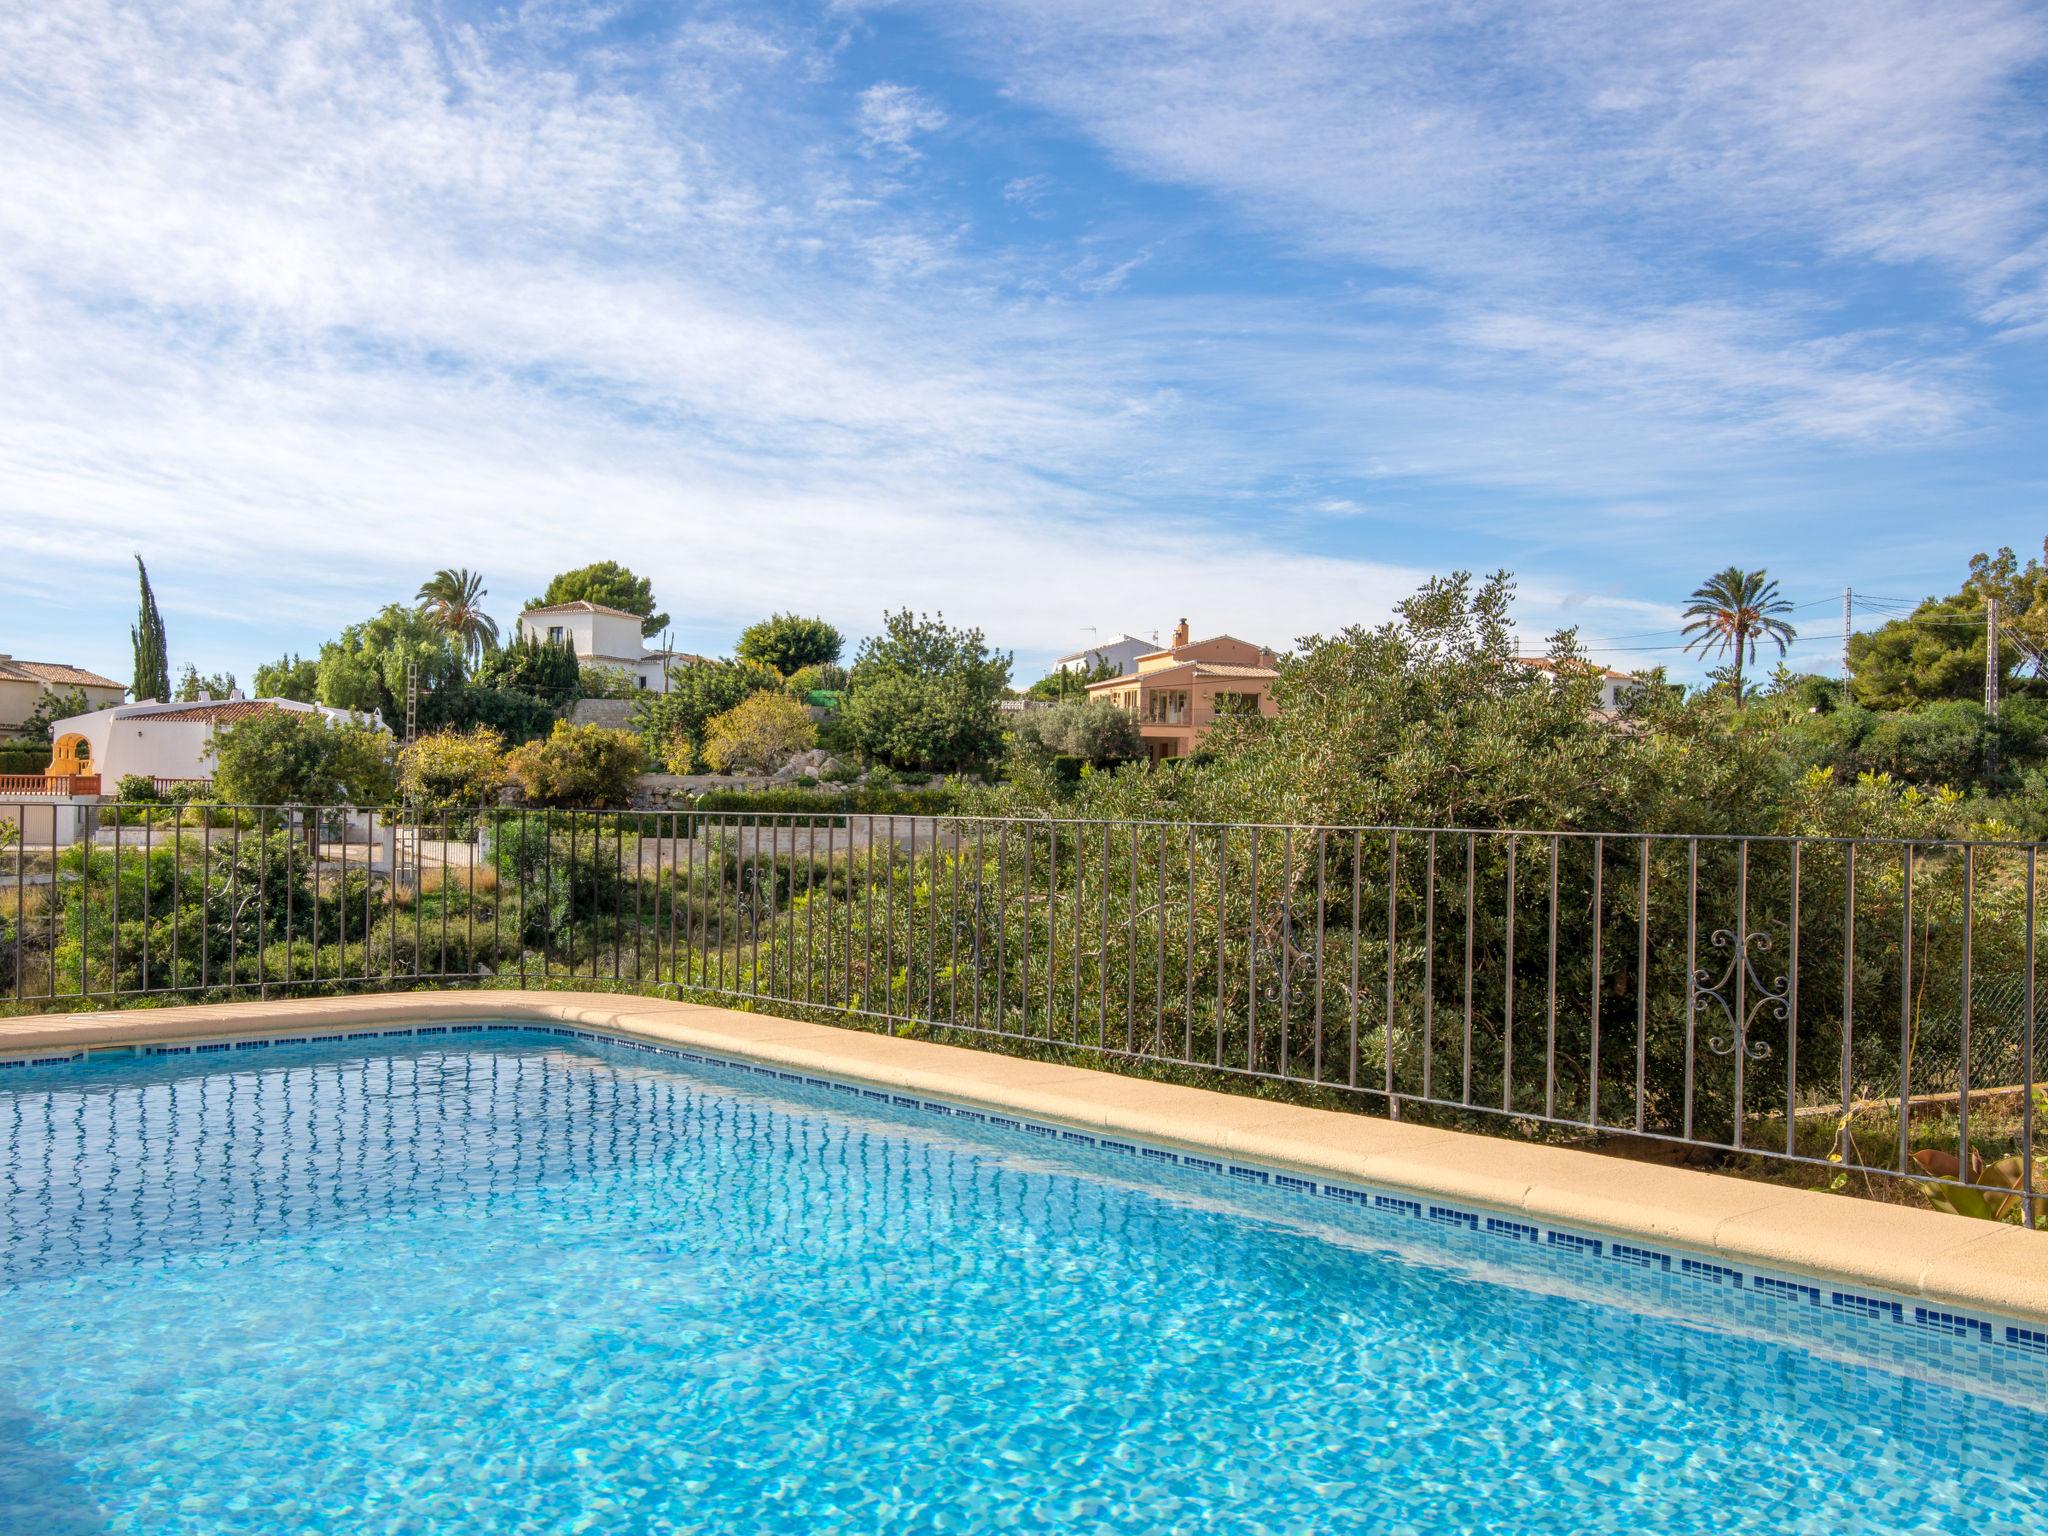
(1052, 314)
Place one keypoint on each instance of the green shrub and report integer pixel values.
(24, 756)
(452, 768)
(584, 766)
(861, 802)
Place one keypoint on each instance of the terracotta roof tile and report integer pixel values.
(55, 673)
(581, 606)
(220, 712)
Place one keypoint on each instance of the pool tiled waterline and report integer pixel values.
(457, 1276)
(1854, 1305)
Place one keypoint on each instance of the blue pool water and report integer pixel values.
(506, 1283)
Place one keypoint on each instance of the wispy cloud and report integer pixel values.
(892, 115)
(315, 298)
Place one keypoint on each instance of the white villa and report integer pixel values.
(165, 741)
(1122, 653)
(605, 637)
(1613, 684)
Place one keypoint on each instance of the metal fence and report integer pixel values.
(1862, 1006)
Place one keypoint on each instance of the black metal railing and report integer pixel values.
(1865, 1007)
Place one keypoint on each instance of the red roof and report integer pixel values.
(221, 712)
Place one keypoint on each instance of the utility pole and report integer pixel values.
(1991, 687)
(1991, 658)
(412, 701)
(1848, 605)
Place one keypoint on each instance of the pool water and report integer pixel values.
(507, 1283)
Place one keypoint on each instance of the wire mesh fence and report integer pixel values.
(1855, 1004)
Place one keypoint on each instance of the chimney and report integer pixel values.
(1180, 634)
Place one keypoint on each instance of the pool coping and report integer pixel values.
(1918, 1253)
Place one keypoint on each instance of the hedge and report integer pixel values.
(24, 756)
(860, 802)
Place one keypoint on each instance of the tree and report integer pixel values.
(297, 757)
(450, 770)
(760, 734)
(673, 724)
(1937, 651)
(193, 686)
(788, 642)
(610, 585)
(924, 695)
(1091, 729)
(453, 600)
(289, 677)
(51, 706)
(152, 650)
(545, 669)
(1072, 682)
(366, 667)
(1731, 611)
(589, 767)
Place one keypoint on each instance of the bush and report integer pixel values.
(827, 677)
(583, 766)
(673, 724)
(24, 756)
(137, 789)
(924, 695)
(789, 643)
(862, 802)
(286, 757)
(451, 769)
(535, 667)
(1089, 730)
(761, 733)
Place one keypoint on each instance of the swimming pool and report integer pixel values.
(473, 1279)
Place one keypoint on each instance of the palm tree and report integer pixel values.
(452, 599)
(1731, 612)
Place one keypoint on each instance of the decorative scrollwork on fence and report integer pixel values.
(1776, 997)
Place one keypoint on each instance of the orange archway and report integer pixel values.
(69, 756)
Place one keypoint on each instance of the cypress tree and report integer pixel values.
(152, 652)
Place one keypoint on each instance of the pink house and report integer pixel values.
(1179, 692)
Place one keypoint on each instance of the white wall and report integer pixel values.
(598, 637)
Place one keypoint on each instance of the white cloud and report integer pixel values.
(890, 116)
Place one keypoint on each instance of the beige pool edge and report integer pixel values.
(1920, 1253)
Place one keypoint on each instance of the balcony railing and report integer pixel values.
(49, 783)
(1863, 1008)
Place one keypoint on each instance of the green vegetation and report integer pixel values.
(579, 765)
(55, 704)
(1072, 682)
(366, 668)
(924, 695)
(538, 668)
(1731, 612)
(758, 735)
(453, 599)
(673, 726)
(194, 685)
(1091, 731)
(451, 770)
(152, 650)
(289, 757)
(289, 677)
(786, 643)
(610, 585)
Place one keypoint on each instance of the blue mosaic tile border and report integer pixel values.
(1875, 1312)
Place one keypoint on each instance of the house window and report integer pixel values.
(554, 634)
(1167, 706)
(1237, 704)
